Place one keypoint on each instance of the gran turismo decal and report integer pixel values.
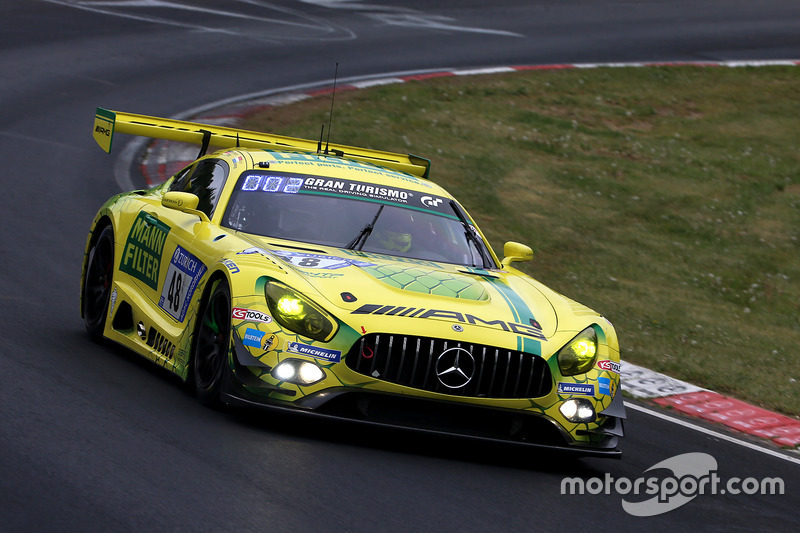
(290, 183)
(141, 257)
(439, 314)
(183, 275)
(579, 389)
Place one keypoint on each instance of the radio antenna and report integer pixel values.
(330, 116)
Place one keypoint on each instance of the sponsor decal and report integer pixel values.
(325, 275)
(287, 183)
(141, 257)
(431, 201)
(333, 356)
(269, 342)
(309, 160)
(609, 366)
(316, 261)
(240, 313)
(183, 275)
(253, 338)
(231, 266)
(581, 389)
(529, 330)
(604, 385)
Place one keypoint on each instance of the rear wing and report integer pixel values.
(107, 123)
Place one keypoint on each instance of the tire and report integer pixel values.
(212, 344)
(98, 282)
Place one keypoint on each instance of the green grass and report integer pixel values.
(667, 198)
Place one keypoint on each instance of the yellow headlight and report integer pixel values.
(299, 314)
(578, 356)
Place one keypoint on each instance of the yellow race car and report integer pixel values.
(341, 281)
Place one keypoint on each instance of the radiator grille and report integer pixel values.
(451, 367)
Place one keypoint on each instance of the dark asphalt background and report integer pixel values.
(94, 439)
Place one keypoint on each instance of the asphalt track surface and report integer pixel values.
(94, 439)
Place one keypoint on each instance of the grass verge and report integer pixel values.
(667, 198)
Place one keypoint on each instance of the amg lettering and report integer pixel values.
(474, 320)
(440, 314)
(435, 313)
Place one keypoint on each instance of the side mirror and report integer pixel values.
(514, 251)
(183, 201)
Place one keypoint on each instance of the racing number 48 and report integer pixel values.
(174, 293)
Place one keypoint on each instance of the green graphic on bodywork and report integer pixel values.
(427, 281)
(522, 314)
(141, 257)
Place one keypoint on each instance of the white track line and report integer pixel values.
(712, 433)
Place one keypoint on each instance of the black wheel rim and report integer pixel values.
(98, 281)
(212, 341)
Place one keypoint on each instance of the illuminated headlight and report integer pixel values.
(578, 410)
(298, 372)
(299, 314)
(578, 356)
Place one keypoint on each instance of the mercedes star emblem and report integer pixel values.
(455, 368)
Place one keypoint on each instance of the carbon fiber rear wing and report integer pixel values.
(107, 123)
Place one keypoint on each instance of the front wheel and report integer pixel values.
(212, 344)
(97, 283)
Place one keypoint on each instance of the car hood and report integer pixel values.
(373, 284)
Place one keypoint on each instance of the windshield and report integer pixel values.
(355, 215)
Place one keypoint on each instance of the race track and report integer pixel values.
(94, 439)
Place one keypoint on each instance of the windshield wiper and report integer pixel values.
(361, 238)
(471, 237)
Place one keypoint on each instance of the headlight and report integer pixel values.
(578, 356)
(299, 314)
(578, 410)
(299, 372)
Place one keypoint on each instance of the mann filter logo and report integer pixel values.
(439, 314)
(141, 257)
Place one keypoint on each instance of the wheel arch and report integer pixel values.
(100, 223)
(220, 274)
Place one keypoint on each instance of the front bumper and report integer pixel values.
(473, 422)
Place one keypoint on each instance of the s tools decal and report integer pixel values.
(609, 366)
(239, 313)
